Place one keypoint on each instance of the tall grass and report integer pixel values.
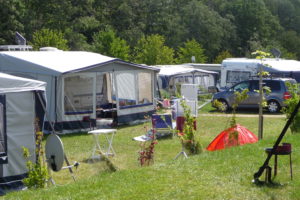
(225, 174)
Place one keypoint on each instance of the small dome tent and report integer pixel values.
(20, 110)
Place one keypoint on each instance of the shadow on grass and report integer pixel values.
(273, 184)
(247, 111)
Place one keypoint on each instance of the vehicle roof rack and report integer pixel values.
(15, 48)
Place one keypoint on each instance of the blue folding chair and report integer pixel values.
(163, 125)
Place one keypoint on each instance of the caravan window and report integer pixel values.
(78, 94)
(3, 141)
(237, 76)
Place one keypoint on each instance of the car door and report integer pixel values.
(253, 94)
(239, 88)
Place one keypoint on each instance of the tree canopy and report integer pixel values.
(235, 26)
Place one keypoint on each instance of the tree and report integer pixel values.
(222, 56)
(151, 50)
(254, 23)
(10, 20)
(49, 38)
(191, 48)
(261, 56)
(207, 27)
(290, 40)
(107, 43)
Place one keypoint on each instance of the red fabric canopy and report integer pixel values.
(226, 138)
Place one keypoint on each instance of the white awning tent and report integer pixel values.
(171, 75)
(19, 109)
(84, 84)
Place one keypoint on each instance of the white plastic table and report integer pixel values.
(106, 132)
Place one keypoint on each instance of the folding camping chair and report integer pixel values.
(163, 125)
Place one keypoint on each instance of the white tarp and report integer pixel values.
(20, 118)
(56, 62)
(172, 70)
(10, 83)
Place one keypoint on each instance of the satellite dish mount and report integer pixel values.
(54, 149)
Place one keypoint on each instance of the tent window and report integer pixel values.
(134, 89)
(3, 138)
(78, 94)
(144, 87)
(126, 89)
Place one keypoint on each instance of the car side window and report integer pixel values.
(240, 87)
(254, 86)
(273, 85)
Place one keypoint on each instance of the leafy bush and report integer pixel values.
(37, 172)
(188, 135)
(291, 105)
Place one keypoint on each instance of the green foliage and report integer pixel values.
(239, 97)
(165, 94)
(208, 27)
(151, 50)
(107, 43)
(291, 105)
(238, 26)
(261, 55)
(217, 104)
(265, 90)
(222, 56)
(37, 172)
(49, 38)
(188, 135)
(11, 20)
(191, 48)
(229, 171)
(291, 41)
(37, 176)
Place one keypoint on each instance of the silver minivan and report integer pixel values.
(275, 99)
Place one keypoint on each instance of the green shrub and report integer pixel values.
(291, 105)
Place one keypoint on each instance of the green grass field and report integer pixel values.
(225, 174)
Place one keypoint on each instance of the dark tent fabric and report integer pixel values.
(227, 138)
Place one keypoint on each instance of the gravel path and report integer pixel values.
(242, 115)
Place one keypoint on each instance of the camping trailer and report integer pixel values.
(84, 85)
(234, 70)
(20, 112)
(171, 76)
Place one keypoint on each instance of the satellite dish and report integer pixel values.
(20, 40)
(54, 152)
(276, 53)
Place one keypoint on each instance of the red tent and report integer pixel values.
(234, 136)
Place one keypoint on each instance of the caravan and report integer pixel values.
(234, 70)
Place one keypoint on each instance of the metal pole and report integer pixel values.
(260, 123)
(285, 128)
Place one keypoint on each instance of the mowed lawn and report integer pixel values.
(225, 174)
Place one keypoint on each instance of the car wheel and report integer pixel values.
(273, 106)
(224, 106)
